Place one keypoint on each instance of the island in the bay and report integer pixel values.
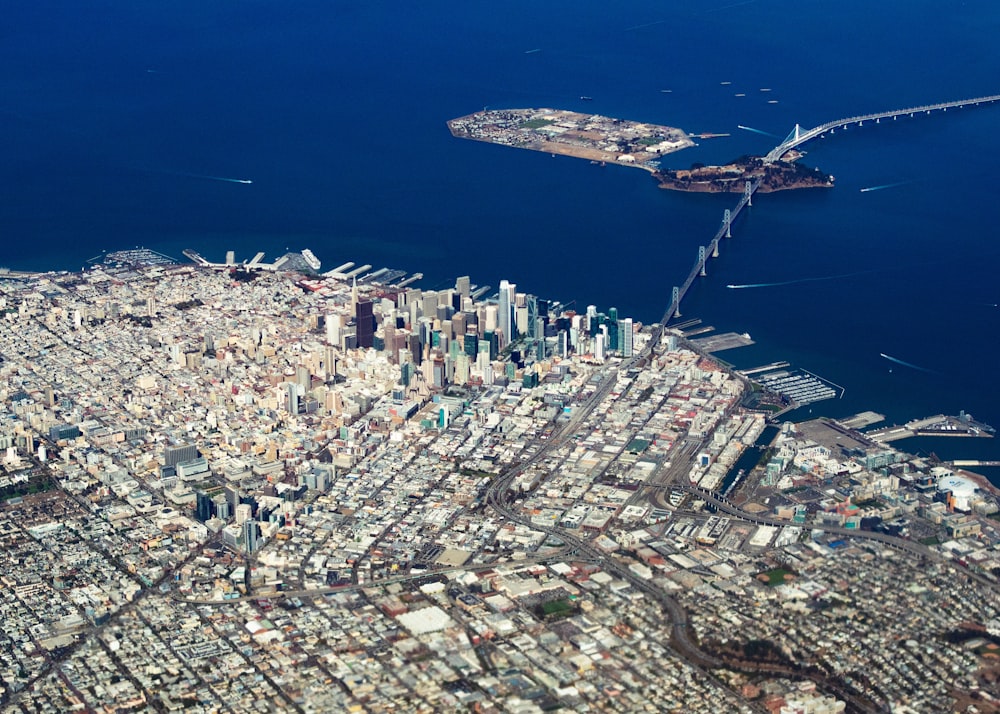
(605, 140)
(780, 175)
(585, 136)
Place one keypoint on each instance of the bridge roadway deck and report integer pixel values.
(699, 265)
(789, 144)
(797, 139)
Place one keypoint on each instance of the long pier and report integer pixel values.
(764, 368)
(796, 138)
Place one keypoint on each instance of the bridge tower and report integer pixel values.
(727, 219)
(675, 301)
(793, 138)
(748, 192)
(702, 260)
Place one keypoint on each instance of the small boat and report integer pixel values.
(587, 99)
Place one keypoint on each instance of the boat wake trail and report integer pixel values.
(188, 174)
(884, 186)
(907, 364)
(648, 24)
(797, 281)
(727, 7)
(757, 131)
(220, 178)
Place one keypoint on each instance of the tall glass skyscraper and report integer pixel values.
(625, 337)
(506, 311)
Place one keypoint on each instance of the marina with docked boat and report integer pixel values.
(794, 387)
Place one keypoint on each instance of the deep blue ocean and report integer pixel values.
(118, 118)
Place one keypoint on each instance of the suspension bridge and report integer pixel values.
(796, 138)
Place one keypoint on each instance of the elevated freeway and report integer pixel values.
(724, 505)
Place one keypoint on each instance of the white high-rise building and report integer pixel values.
(506, 311)
(243, 513)
(521, 325)
(489, 319)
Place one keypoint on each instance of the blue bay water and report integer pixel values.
(115, 118)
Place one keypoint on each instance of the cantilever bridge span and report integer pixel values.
(800, 136)
(797, 137)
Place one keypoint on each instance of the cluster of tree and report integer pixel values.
(785, 173)
(36, 484)
(141, 320)
(556, 609)
(752, 652)
(243, 276)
